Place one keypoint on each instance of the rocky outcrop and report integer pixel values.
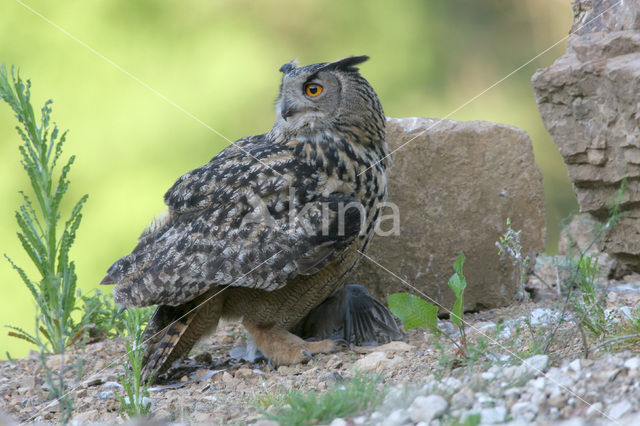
(454, 185)
(589, 100)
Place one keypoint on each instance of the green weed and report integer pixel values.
(46, 243)
(344, 400)
(135, 402)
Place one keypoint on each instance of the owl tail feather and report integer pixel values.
(173, 330)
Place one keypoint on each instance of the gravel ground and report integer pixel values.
(425, 386)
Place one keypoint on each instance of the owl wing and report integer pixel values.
(228, 225)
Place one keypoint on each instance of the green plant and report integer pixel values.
(344, 400)
(102, 317)
(416, 312)
(46, 245)
(509, 243)
(135, 401)
(56, 381)
(582, 270)
(588, 301)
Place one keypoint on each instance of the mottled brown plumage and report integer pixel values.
(269, 227)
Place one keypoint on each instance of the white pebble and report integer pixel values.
(493, 415)
(536, 364)
(619, 409)
(427, 408)
(524, 410)
(632, 363)
(396, 418)
(575, 365)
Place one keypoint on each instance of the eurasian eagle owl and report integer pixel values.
(270, 226)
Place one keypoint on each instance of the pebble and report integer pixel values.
(226, 377)
(595, 410)
(244, 372)
(619, 409)
(525, 410)
(536, 364)
(427, 408)
(632, 363)
(462, 399)
(104, 395)
(86, 417)
(286, 370)
(266, 423)
(575, 366)
(375, 361)
(338, 422)
(542, 316)
(396, 418)
(450, 384)
(493, 415)
(396, 346)
(115, 385)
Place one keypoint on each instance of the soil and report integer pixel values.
(212, 388)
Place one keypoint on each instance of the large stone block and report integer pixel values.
(589, 100)
(455, 185)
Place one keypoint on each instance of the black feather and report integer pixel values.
(346, 64)
(288, 67)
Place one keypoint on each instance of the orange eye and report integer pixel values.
(312, 89)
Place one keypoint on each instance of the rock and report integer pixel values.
(338, 422)
(427, 408)
(104, 395)
(54, 362)
(493, 415)
(524, 411)
(86, 417)
(375, 361)
(395, 346)
(588, 99)
(462, 399)
(581, 236)
(632, 363)
(575, 366)
(619, 409)
(450, 384)
(396, 418)
(536, 364)
(595, 410)
(266, 423)
(244, 372)
(454, 185)
(287, 370)
(531, 367)
(541, 316)
(226, 377)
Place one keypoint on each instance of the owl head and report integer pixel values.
(314, 98)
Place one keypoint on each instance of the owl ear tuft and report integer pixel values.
(289, 66)
(346, 64)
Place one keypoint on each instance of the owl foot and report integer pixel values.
(283, 348)
(307, 354)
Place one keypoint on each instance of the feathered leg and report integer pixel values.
(173, 330)
(282, 347)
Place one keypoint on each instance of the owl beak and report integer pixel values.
(287, 110)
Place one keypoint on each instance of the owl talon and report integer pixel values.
(270, 364)
(342, 343)
(307, 354)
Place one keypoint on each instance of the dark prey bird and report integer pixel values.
(353, 315)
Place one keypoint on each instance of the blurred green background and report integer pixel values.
(219, 60)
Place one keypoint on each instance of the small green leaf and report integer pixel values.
(457, 283)
(414, 312)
